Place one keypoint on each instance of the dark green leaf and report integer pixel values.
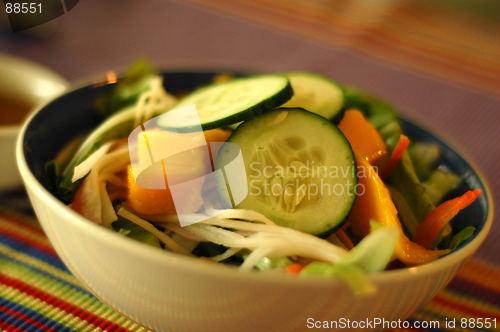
(53, 182)
(424, 156)
(128, 90)
(404, 179)
(129, 229)
(462, 236)
(51, 174)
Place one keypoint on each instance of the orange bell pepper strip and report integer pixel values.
(428, 230)
(364, 138)
(191, 166)
(376, 203)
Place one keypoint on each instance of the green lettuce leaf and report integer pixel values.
(267, 263)
(439, 183)
(127, 91)
(462, 236)
(424, 156)
(52, 170)
(129, 229)
(371, 254)
(350, 273)
(405, 180)
(375, 250)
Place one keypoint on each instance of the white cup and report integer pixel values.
(30, 84)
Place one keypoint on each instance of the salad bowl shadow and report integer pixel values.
(164, 291)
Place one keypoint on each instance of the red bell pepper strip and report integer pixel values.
(396, 156)
(429, 228)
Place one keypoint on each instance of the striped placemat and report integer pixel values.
(38, 293)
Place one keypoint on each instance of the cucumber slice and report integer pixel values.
(316, 94)
(224, 104)
(300, 170)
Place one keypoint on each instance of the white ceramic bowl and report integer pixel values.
(167, 292)
(34, 85)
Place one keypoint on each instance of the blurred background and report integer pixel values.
(438, 62)
(452, 39)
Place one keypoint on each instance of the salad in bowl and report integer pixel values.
(287, 172)
(264, 199)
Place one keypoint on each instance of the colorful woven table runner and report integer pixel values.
(38, 293)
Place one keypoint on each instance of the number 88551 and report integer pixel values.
(24, 8)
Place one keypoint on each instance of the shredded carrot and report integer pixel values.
(295, 268)
(429, 228)
(346, 240)
(396, 156)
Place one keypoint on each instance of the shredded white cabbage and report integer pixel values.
(181, 231)
(108, 211)
(169, 243)
(301, 244)
(86, 166)
(249, 215)
(254, 257)
(94, 199)
(226, 254)
(153, 101)
(112, 178)
(183, 242)
(264, 240)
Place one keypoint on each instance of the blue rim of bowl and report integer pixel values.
(192, 264)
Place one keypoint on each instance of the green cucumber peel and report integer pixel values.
(315, 93)
(224, 104)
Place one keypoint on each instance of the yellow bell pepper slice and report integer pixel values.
(374, 202)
